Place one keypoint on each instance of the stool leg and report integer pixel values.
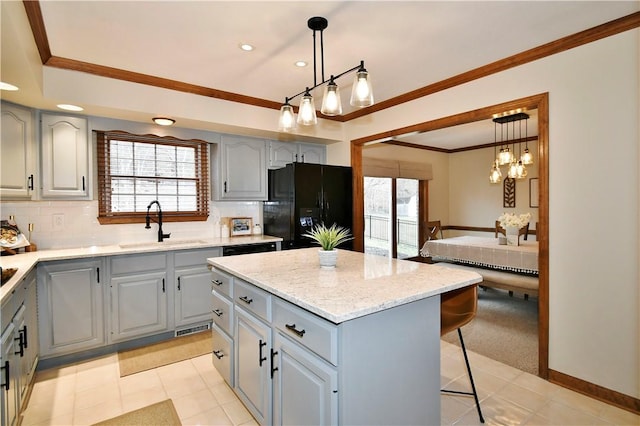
(473, 386)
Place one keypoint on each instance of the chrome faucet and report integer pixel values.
(161, 235)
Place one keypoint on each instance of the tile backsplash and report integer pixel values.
(68, 224)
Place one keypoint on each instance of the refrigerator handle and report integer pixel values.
(319, 200)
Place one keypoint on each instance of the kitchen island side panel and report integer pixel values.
(389, 365)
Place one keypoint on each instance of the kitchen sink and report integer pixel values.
(168, 244)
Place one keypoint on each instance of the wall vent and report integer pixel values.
(193, 329)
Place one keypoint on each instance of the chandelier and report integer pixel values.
(361, 92)
(516, 167)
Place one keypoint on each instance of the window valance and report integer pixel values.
(377, 167)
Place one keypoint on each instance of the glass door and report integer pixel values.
(391, 217)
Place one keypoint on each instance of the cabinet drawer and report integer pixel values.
(252, 299)
(222, 354)
(195, 257)
(222, 283)
(316, 334)
(139, 263)
(222, 312)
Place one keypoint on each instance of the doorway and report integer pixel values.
(391, 217)
(539, 102)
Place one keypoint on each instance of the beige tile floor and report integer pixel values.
(88, 392)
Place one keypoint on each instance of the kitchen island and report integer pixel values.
(358, 344)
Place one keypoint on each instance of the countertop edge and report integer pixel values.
(337, 319)
(25, 262)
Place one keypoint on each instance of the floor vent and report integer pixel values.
(194, 329)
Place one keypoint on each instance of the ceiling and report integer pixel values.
(405, 45)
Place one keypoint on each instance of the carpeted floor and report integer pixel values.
(505, 329)
(159, 414)
(163, 353)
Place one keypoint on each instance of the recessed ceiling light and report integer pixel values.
(301, 64)
(163, 121)
(7, 86)
(68, 107)
(246, 47)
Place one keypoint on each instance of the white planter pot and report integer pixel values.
(328, 258)
(513, 239)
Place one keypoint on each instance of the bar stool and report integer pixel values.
(458, 308)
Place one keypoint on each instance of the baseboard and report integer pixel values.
(603, 394)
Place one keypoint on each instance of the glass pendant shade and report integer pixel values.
(521, 170)
(331, 104)
(307, 111)
(513, 170)
(495, 175)
(526, 157)
(287, 120)
(505, 156)
(361, 92)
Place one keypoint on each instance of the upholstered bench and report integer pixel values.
(503, 280)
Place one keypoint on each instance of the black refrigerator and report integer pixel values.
(302, 195)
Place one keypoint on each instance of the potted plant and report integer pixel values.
(329, 239)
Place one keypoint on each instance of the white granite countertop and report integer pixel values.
(25, 262)
(360, 284)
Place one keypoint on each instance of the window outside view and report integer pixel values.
(378, 222)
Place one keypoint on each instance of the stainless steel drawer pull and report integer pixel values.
(218, 312)
(218, 354)
(293, 329)
(246, 300)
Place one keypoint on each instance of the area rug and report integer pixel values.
(505, 329)
(164, 353)
(158, 414)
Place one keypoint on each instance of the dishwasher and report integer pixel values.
(248, 248)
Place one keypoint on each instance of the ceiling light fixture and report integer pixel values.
(7, 86)
(361, 92)
(516, 168)
(246, 47)
(163, 121)
(69, 107)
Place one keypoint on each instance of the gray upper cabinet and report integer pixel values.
(18, 162)
(242, 169)
(283, 153)
(65, 157)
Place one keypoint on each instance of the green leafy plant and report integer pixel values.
(329, 238)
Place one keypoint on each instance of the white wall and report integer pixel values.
(594, 217)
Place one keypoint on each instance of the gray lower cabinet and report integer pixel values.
(192, 286)
(9, 377)
(223, 325)
(293, 367)
(71, 306)
(305, 386)
(139, 300)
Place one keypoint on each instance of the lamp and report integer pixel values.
(361, 92)
(163, 121)
(495, 175)
(516, 168)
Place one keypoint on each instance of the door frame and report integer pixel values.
(539, 102)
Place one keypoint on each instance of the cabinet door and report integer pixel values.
(21, 360)
(304, 386)
(18, 148)
(192, 295)
(312, 153)
(8, 378)
(282, 153)
(70, 308)
(243, 167)
(138, 305)
(253, 365)
(65, 157)
(31, 325)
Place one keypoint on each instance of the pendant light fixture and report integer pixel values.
(361, 93)
(516, 166)
(526, 157)
(495, 175)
